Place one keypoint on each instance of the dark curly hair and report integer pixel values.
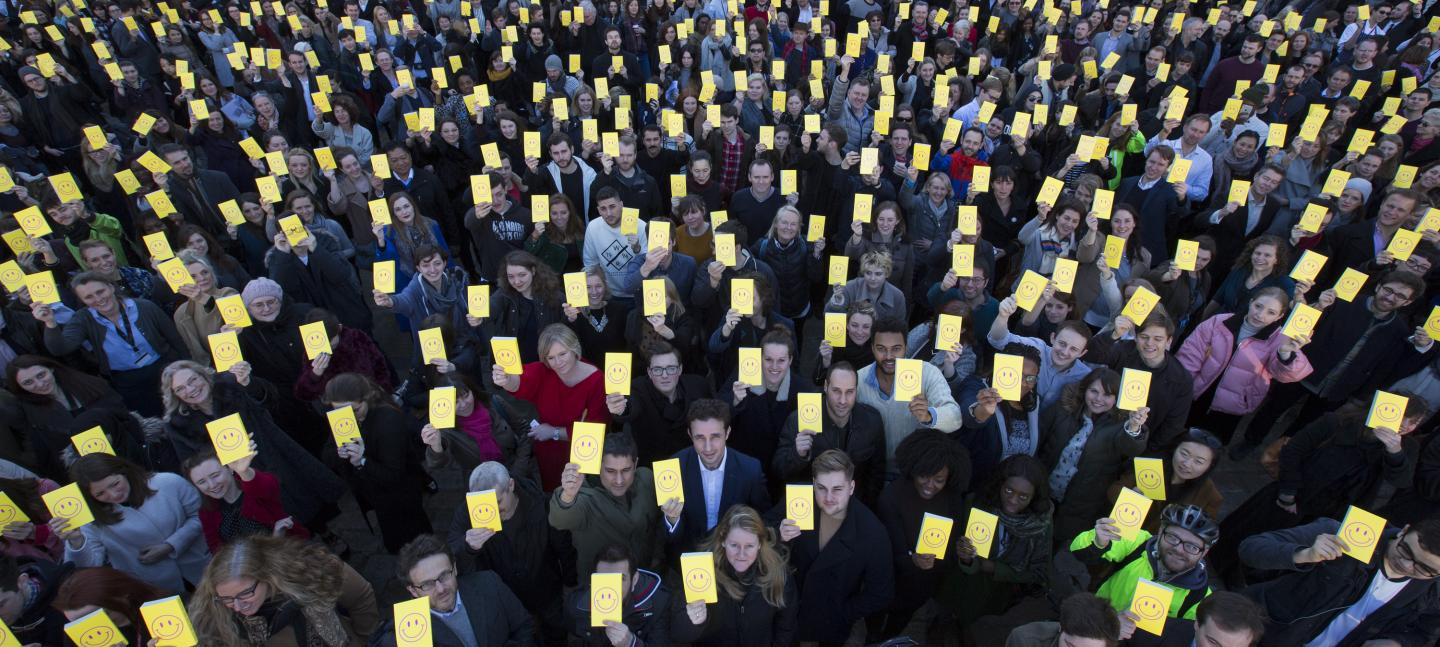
(927, 451)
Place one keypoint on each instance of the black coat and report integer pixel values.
(862, 439)
(1160, 211)
(529, 555)
(1230, 235)
(1172, 388)
(393, 476)
(749, 621)
(215, 187)
(851, 578)
(326, 281)
(493, 611)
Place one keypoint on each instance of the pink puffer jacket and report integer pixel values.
(1245, 372)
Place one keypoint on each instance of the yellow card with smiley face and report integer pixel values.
(835, 329)
(934, 535)
(980, 530)
(809, 412)
(749, 367)
(225, 349)
(668, 482)
(908, 379)
(506, 351)
(232, 311)
(484, 509)
(175, 274)
(1361, 531)
(839, 270)
(1302, 321)
(384, 276)
(1387, 410)
(168, 622)
(343, 426)
(442, 407)
(1027, 294)
(1350, 283)
(95, 629)
(11, 276)
(1134, 389)
(1186, 252)
(1402, 245)
(1150, 477)
(9, 512)
(947, 333)
(697, 572)
(316, 340)
(1141, 303)
(1151, 605)
(725, 249)
(432, 345)
(800, 505)
(1129, 512)
(607, 601)
(617, 373)
(1309, 266)
(32, 222)
(68, 504)
(1064, 275)
(653, 293)
(587, 439)
(577, 291)
(1313, 217)
(229, 437)
(412, 623)
(158, 246)
(477, 301)
(742, 296)
(1008, 374)
(42, 288)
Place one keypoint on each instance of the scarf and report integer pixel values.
(313, 627)
(498, 75)
(1229, 166)
(450, 294)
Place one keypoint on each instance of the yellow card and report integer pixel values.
(1140, 304)
(1276, 136)
(864, 206)
(1151, 605)
(967, 220)
(380, 165)
(380, 211)
(742, 296)
(1239, 191)
(231, 441)
(477, 301)
(1150, 477)
(1134, 389)
(506, 351)
(1312, 218)
(384, 276)
(1032, 285)
(432, 345)
(607, 600)
(532, 144)
(232, 311)
(1432, 323)
(1350, 283)
(800, 505)
(294, 229)
(1402, 245)
(168, 622)
(748, 368)
(669, 484)
(658, 233)
(934, 534)
(654, 297)
(225, 348)
(816, 229)
(577, 292)
(96, 137)
(1129, 512)
(67, 503)
(1387, 410)
(980, 530)
(143, 124)
(835, 329)
(1335, 182)
(962, 260)
(1179, 170)
(1064, 275)
(18, 242)
(343, 426)
(697, 572)
(947, 335)
(1431, 221)
(95, 629)
(1301, 321)
(1405, 176)
(617, 373)
(1050, 190)
(32, 222)
(908, 379)
(1309, 266)
(1103, 204)
(412, 623)
(42, 287)
(175, 274)
(1361, 531)
(90, 441)
(484, 509)
(1008, 373)
(979, 175)
(316, 341)
(1186, 252)
(809, 408)
(587, 440)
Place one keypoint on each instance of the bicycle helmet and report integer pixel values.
(1192, 518)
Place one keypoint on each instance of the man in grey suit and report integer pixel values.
(1117, 40)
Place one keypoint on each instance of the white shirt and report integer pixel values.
(1382, 590)
(712, 482)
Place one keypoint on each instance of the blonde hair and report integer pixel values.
(167, 377)
(782, 211)
(301, 572)
(878, 259)
(557, 333)
(770, 564)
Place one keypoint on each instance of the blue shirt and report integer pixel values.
(1197, 183)
(125, 345)
(1052, 380)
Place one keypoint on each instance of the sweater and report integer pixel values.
(899, 423)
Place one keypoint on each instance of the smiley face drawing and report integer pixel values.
(177, 275)
(506, 357)
(1149, 479)
(978, 533)
(669, 482)
(654, 300)
(798, 510)
(441, 408)
(1388, 414)
(227, 352)
(617, 374)
(231, 312)
(1027, 292)
(434, 347)
(98, 637)
(810, 413)
(13, 275)
(30, 220)
(1358, 536)
(949, 335)
(586, 448)
(167, 627)
(1148, 607)
(909, 380)
(485, 514)
(7, 514)
(1007, 378)
(606, 600)
(1303, 320)
(750, 366)
(412, 627)
(933, 538)
(698, 579)
(345, 428)
(834, 328)
(316, 339)
(230, 439)
(1135, 391)
(68, 507)
(1128, 514)
(42, 291)
(92, 446)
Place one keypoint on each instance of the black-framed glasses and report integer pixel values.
(664, 370)
(1174, 541)
(448, 575)
(243, 596)
(1407, 555)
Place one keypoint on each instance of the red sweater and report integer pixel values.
(259, 502)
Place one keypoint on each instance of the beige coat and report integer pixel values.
(197, 323)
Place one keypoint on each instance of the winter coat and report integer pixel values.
(169, 516)
(1105, 453)
(597, 519)
(1244, 372)
(749, 621)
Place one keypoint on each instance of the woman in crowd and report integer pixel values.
(340, 128)
(526, 300)
(116, 593)
(408, 232)
(227, 271)
(757, 596)
(872, 285)
(197, 317)
(759, 409)
(305, 175)
(53, 402)
(146, 525)
(275, 591)
(1124, 223)
(1019, 563)
(796, 262)
(600, 326)
(239, 500)
(558, 242)
(1188, 470)
(352, 351)
(1260, 266)
(859, 321)
(564, 389)
(1234, 358)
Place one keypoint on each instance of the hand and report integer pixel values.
(500, 377)
(1127, 625)
(1105, 532)
(353, 451)
(671, 509)
(153, 554)
(949, 280)
(242, 371)
(1389, 438)
(570, 481)
(60, 527)
(923, 562)
(985, 403)
(657, 323)
(442, 366)
(43, 313)
(320, 363)
(19, 531)
(571, 312)
(1137, 418)
(475, 538)
(1294, 343)
(920, 408)
(739, 390)
(789, 530)
(1326, 299)
(617, 633)
(1123, 326)
(1008, 307)
(697, 612)
(541, 431)
(732, 319)
(432, 438)
(827, 352)
(1180, 190)
(1325, 548)
(964, 550)
(803, 442)
(282, 526)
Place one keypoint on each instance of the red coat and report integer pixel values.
(259, 502)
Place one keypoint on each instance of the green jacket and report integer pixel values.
(1133, 560)
(105, 228)
(597, 519)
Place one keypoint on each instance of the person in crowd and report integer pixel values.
(1018, 493)
(845, 424)
(30, 539)
(657, 409)
(645, 609)
(1174, 558)
(476, 606)
(1145, 346)
(239, 500)
(1188, 474)
(113, 592)
(620, 509)
(994, 429)
(757, 595)
(1084, 620)
(53, 402)
(1060, 363)
(934, 407)
(281, 591)
(714, 477)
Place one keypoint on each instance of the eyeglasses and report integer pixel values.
(448, 576)
(1407, 555)
(1388, 291)
(1031, 379)
(243, 596)
(667, 371)
(1174, 541)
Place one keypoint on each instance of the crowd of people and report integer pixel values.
(909, 321)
